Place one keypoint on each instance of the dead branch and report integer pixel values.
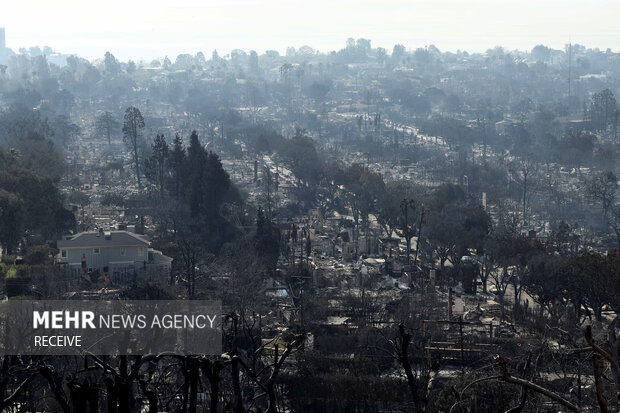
(508, 378)
(596, 365)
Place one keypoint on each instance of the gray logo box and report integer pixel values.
(133, 327)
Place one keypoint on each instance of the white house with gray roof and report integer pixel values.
(117, 254)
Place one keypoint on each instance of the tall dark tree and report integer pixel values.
(208, 182)
(134, 123)
(407, 228)
(11, 220)
(267, 242)
(157, 164)
(105, 124)
(593, 276)
(177, 165)
(196, 158)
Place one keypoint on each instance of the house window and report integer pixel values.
(122, 251)
(63, 253)
(140, 251)
(95, 250)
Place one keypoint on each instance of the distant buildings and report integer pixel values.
(120, 256)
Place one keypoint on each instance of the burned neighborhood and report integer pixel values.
(402, 228)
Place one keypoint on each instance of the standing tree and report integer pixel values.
(603, 188)
(156, 166)
(105, 124)
(407, 229)
(11, 220)
(593, 276)
(602, 108)
(522, 170)
(134, 122)
(196, 160)
(111, 65)
(177, 163)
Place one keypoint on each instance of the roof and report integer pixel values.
(109, 239)
(160, 258)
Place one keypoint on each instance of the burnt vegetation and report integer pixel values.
(407, 231)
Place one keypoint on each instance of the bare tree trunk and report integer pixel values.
(124, 395)
(78, 395)
(215, 393)
(507, 377)
(93, 399)
(55, 384)
(112, 399)
(598, 385)
(123, 387)
(193, 386)
(610, 353)
(271, 392)
(186, 375)
(403, 358)
(237, 399)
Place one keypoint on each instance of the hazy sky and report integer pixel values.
(144, 29)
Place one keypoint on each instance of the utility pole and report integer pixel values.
(417, 243)
(267, 175)
(408, 232)
(404, 205)
(461, 342)
(482, 124)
